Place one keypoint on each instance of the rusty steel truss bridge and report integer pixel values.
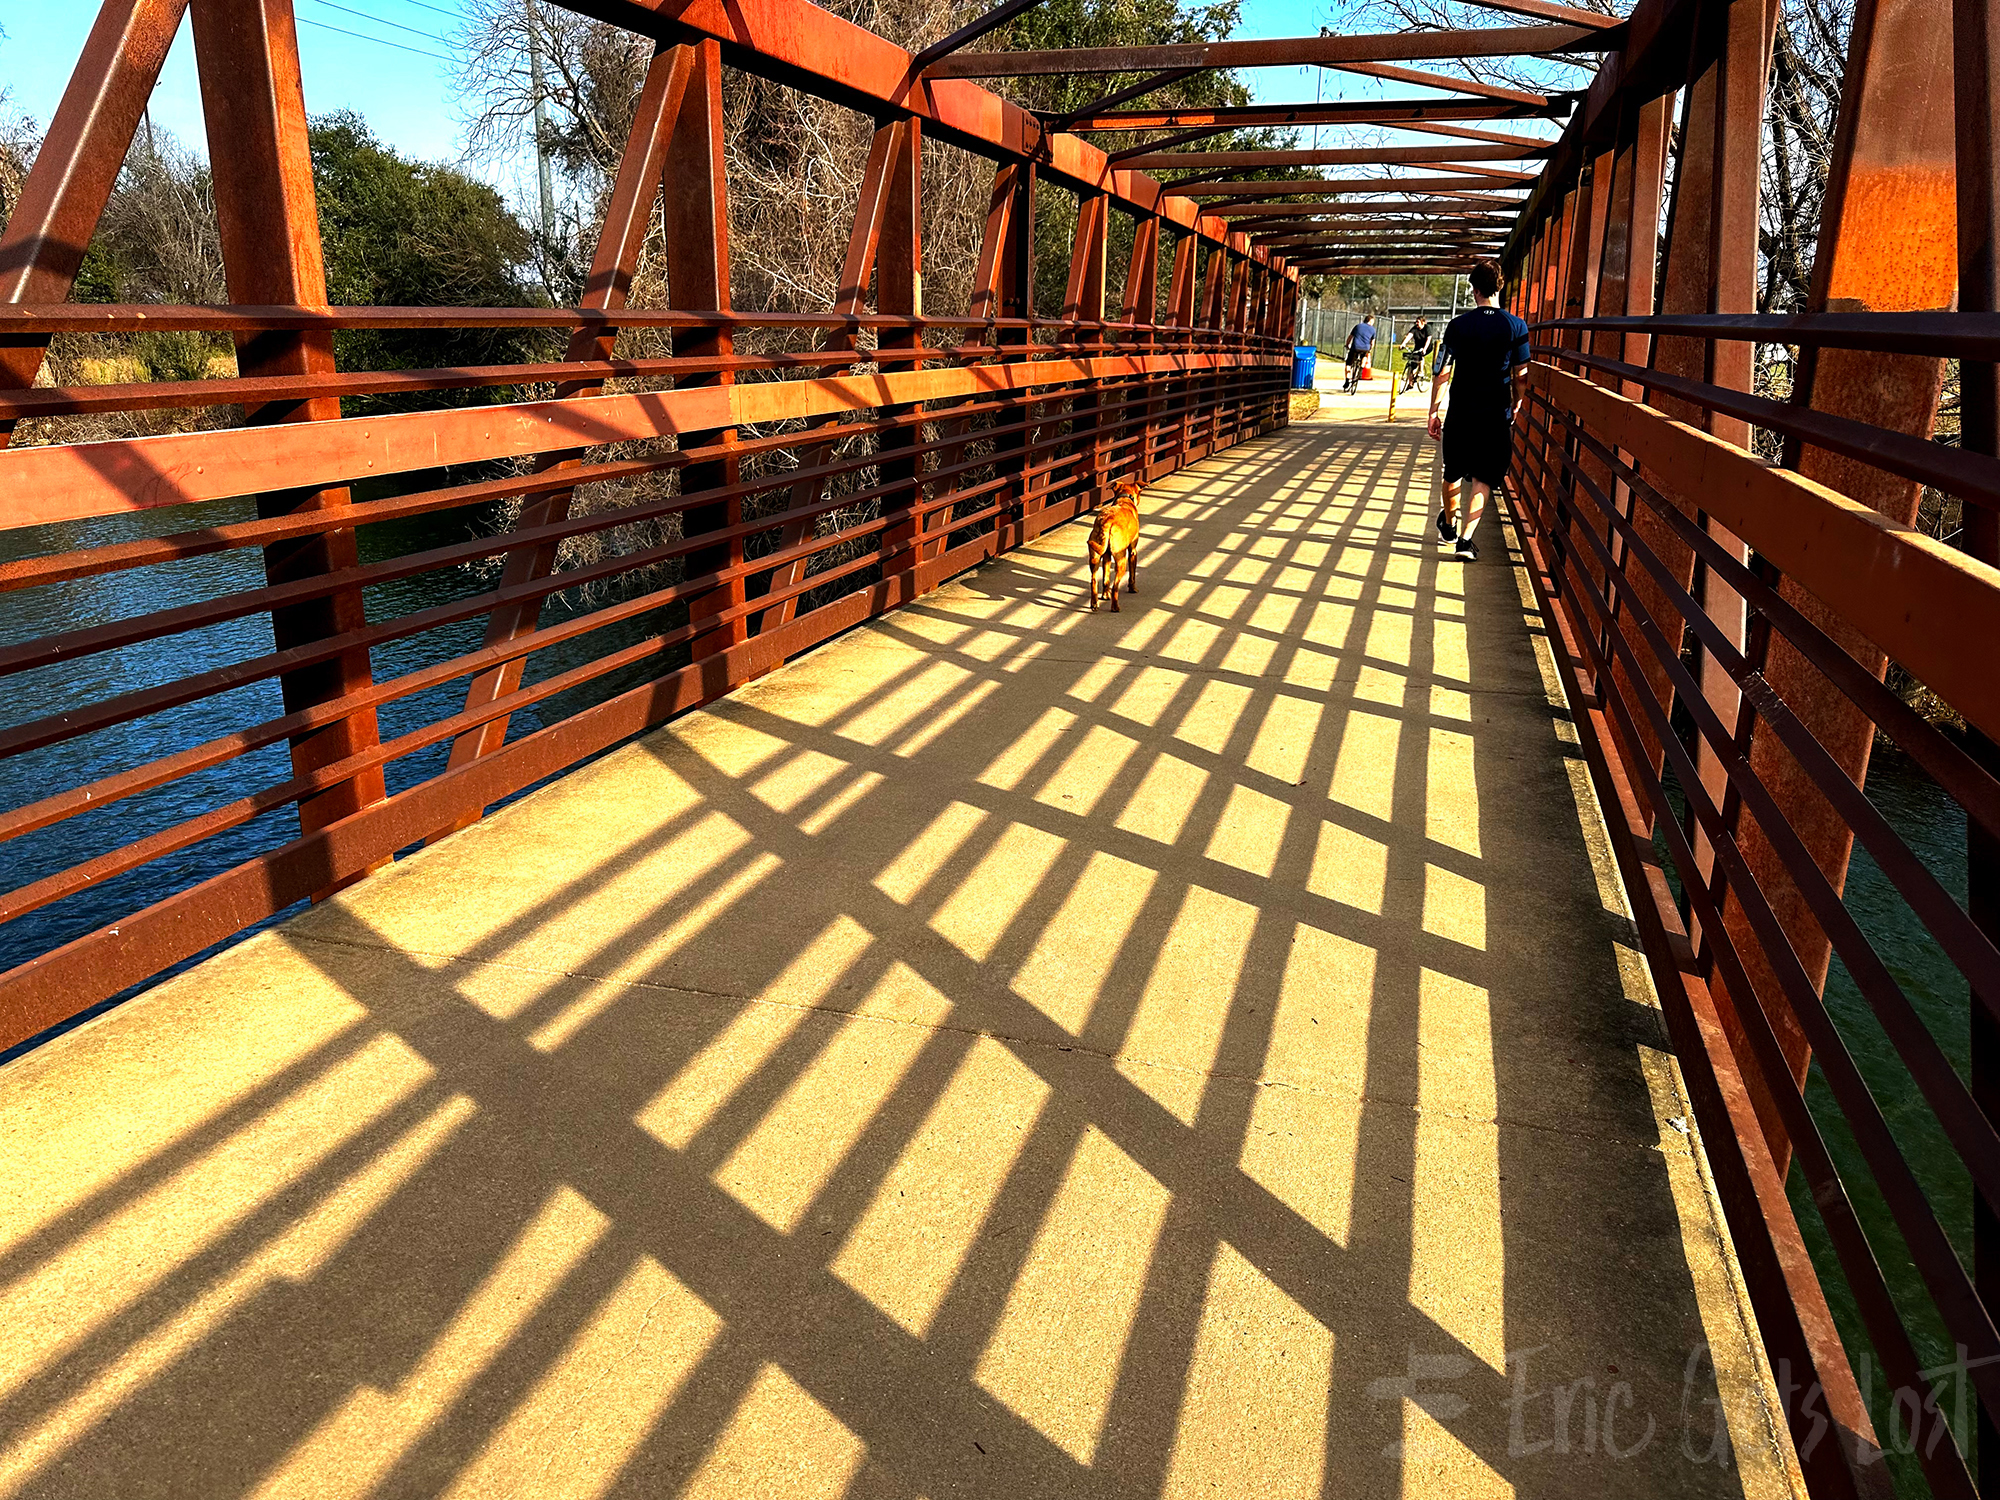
(1724, 570)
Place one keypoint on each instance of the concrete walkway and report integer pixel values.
(1012, 1052)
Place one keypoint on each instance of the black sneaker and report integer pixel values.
(1447, 528)
(1467, 552)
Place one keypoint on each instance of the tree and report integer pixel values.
(405, 233)
(795, 160)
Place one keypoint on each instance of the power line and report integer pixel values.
(456, 15)
(378, 41)
(379, 21)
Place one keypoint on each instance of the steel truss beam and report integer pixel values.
(1340, 112)
(1423, 78)
(1329, 187)
(1343, 156)
(1286, 52)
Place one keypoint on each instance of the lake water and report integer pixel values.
(1934, 827)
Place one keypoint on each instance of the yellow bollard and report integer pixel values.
(1395, 379)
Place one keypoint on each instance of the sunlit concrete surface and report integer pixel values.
(1012, 1052)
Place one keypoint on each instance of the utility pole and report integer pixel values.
(1319, 86)
(541, 116)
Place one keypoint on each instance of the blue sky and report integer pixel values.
(404, 94)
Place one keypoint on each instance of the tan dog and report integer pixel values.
(1114, 533)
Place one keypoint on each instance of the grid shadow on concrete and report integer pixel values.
(1010, 1052)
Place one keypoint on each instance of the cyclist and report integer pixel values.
(1360, 343)
(1416, 343)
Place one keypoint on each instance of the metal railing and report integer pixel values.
(1723, 624)
(804, 505)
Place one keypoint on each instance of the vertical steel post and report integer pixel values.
(1210, 388)
(1004, 287)
(1084, 300)
(899, 274)
(695, 200)
(1635, 295)
(247, 56)
(1712, 267)
(1231, 381)
(1141, 305)
(1180, 313)
(627, 216)
(1888, 233)
(880, 224)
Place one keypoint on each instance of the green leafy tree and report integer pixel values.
(407, 233)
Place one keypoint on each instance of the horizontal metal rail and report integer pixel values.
(1606, 490)
(1017, 433)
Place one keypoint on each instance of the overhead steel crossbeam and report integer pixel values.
(1497, 174)
(1456, 213)
(1398, 244)
(1383, 234)
(1445, 81)
(1276, 52)
(971, 32)
(1548, 10)
(1375, 261)
(840, 61)
(1397, 249)
(1321, 187)
(1259, 210)
(1286, 239)
(1125, 95)
(1255, 228)
(1195, 125)
(1294, 246)
(1539, 145)
(1340, 156)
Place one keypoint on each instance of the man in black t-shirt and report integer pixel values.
(1486, 351)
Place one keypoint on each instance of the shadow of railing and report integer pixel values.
(1015, 1052)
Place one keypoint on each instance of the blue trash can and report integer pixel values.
(1305, 359)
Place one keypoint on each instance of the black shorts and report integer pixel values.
(1477, 448)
